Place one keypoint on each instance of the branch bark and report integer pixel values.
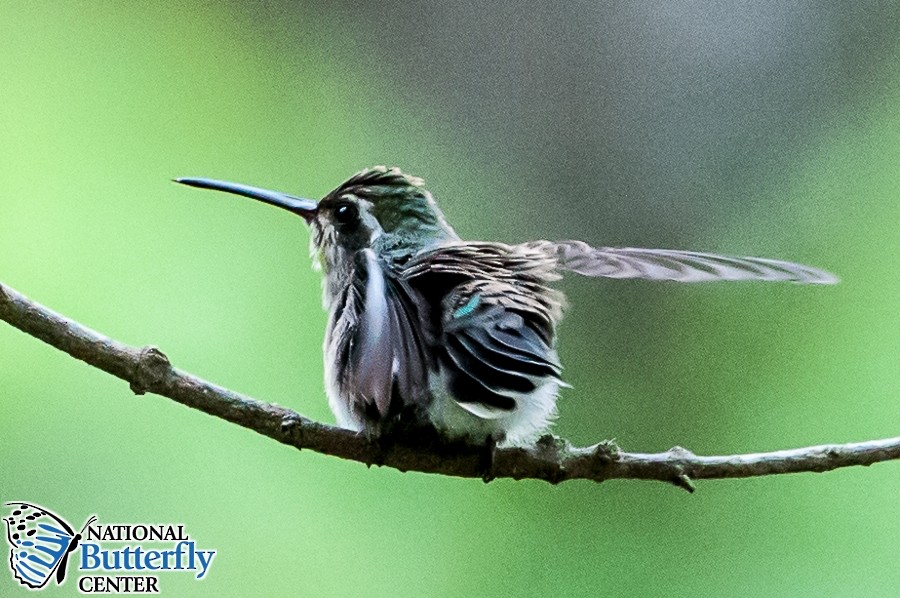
(551, 459)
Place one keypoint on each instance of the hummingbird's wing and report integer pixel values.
(496, 323)
(495, 353)
(528, 268)
(680, 266)
(377, 344)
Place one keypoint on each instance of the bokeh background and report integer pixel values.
(769, 128)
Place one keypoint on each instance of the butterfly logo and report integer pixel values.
(40, 543)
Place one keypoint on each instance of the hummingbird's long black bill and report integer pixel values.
(297, 205)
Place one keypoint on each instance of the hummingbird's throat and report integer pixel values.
(337, 265)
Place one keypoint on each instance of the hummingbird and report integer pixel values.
(427, 329)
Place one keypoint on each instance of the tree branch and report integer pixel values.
(551, 459)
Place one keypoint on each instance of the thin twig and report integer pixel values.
(550, 459)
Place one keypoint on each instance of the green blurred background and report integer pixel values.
(766, 129)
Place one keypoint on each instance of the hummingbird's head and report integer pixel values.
(379, 208)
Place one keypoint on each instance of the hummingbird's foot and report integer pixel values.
(488, 453)
(380, 448)
(387, 436)
(380, 441)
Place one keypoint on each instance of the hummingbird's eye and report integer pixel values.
(345, 213)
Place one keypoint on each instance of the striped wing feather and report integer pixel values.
(680, 266)
(495, 358)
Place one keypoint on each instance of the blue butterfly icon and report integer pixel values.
(40, 542)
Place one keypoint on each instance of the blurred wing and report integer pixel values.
(680, 266)
(39, 541)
